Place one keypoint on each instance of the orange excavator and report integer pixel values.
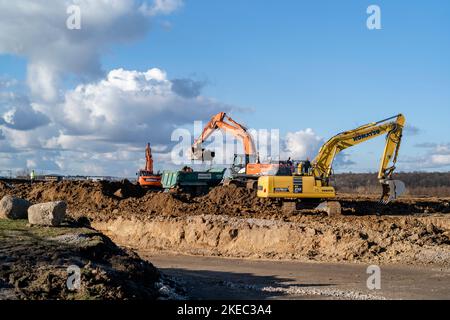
(247, 167)
(146, 177)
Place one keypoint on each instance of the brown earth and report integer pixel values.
(34, 262)
(232, 221)
(104, 200)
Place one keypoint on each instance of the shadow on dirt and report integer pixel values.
(217, 285)
(370, 207)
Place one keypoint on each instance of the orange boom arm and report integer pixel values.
(219, 122)
(148, 159)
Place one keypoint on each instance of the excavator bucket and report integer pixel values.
(202, 154)
(196, 154)
(392, 189)
(332, 208)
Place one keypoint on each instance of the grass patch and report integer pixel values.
(8, 227)
(6, 224)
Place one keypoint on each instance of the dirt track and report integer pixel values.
(231, 221)
(219, 278)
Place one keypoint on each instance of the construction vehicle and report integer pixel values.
(146, 177)
(190, 181)
(311, 181)
(246, 168)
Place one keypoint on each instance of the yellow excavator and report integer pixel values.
(311, 181)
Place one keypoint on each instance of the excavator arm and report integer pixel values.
(322, 164)
(391, 148)
(219, 121)
(148, 159)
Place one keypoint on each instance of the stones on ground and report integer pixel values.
(331, 208)
(47, 214)
(310, 231)
(119, 194)
(13, 208)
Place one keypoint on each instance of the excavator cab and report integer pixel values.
(302, 168)
(285, 168)
(240, 162)
(146, 177)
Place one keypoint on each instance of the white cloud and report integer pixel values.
(37, 31)
(43, 80)
(411, 130)
(443, 149)
(81, 129)
(131, 107)
(302, 144)
(187, 88)
(6, 83)
(436, 156)
(24, 118)
(114, 116)
(305, 144)
(161, 7)
(16, 112)
(440, 159)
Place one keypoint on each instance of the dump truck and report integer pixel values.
(193, 182)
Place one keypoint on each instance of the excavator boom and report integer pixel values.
(246, 171)
(219, 121)
(322, 164)
(148, 159)
(312, 181)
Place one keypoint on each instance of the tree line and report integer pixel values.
(417, 183)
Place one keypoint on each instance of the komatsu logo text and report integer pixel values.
(367, 135)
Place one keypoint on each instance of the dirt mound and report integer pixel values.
(77, 191)
(165, 204)
(104, 200)
(34, 262)
(82, 197)
(233, 200)
(121, 189)
(220, 200)
(230, 194)
(5, 187)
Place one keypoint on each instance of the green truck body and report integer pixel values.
(192, 180)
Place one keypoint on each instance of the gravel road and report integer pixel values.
(222, 278)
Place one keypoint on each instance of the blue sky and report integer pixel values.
(306, 64)
(302, 64)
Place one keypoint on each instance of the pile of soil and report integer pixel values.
(408, 228)
(105, 200)
(34, 262)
